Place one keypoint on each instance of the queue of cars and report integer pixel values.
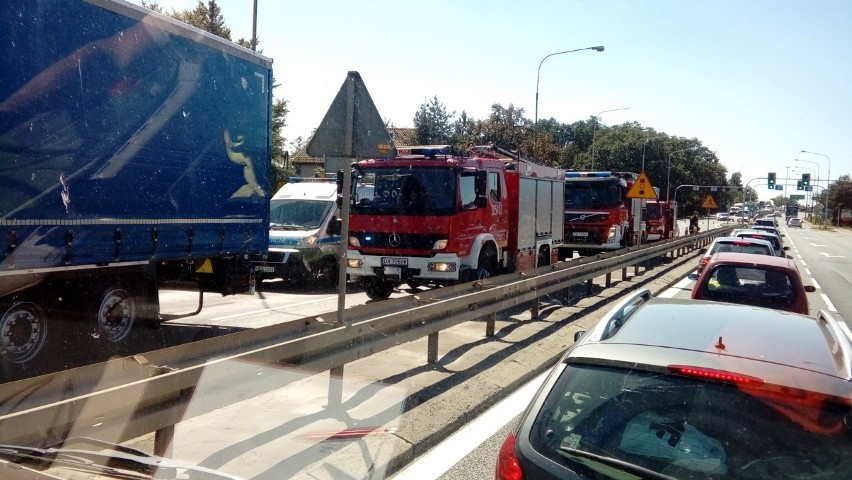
(737, 382)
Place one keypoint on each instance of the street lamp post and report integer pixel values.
(594, 129)
(643, 149)
(669, 169)
(598, 48)
(827, 181)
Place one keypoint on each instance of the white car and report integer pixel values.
(723, 216)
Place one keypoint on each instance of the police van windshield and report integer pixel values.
(298, 214)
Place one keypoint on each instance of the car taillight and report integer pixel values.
(508, 467)
(705, 261)
(717, 375)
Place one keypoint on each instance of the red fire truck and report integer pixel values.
(660, 220)
(597, 212)
(428, 216)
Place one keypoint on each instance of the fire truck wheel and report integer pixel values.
(485, 268)
(377, 289)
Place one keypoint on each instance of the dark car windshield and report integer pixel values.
(404, 190)
(690, 428)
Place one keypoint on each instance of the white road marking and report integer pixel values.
(815, 284)
(676, 288)
(828, 303)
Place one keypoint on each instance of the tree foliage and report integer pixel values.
(433, 123)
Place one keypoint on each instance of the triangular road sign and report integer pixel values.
(642, 188)
(352, 127)
(709, 202)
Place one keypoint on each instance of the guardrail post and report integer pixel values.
(589, 285)
(608, 279)
(624, 273)
(432, 348)
(535, 309)
(163, 436)
(489, 324)
(335, 386)
(636, 270)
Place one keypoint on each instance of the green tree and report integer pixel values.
(840, 195)
(206, 17)
(433, 123)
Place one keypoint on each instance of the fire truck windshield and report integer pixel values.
(592, 194)
(654, 211)
(405, 191)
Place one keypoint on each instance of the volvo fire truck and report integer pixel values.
(597, 212)
(429, 216)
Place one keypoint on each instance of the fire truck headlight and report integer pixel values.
(613, 231)
(440, 244)
(353, 241)
(353, 262)
(442, 266)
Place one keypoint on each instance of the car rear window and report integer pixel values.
(741, 247)
(750, 286)
(690, 427)
(776, 244)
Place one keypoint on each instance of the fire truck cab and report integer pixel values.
(597, 212)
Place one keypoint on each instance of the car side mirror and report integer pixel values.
(692, 276)
(579, 335)
(481, 202)
(335, 226)
(810, 288)
(702, 250)
(786, 248)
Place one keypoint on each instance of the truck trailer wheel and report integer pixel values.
(377, 289)
(23, 332)
(116, 314)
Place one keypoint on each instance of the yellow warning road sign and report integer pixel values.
(642, 188)
(709, 202)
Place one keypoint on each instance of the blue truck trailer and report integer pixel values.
(134, 153)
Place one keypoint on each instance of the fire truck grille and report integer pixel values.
(399, 241)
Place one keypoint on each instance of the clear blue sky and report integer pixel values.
(756, 81)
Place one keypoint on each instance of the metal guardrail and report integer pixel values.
(128, 397)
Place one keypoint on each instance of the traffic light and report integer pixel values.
(806, 180)
(772, 180)
(800, 185)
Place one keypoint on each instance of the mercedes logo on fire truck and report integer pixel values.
(394, 240)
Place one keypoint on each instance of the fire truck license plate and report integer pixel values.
(395, 261)
(580, 234)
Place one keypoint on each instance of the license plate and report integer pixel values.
(265, 269)
(395, 261)
(580, 234)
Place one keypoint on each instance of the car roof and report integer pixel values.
(754, 341)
